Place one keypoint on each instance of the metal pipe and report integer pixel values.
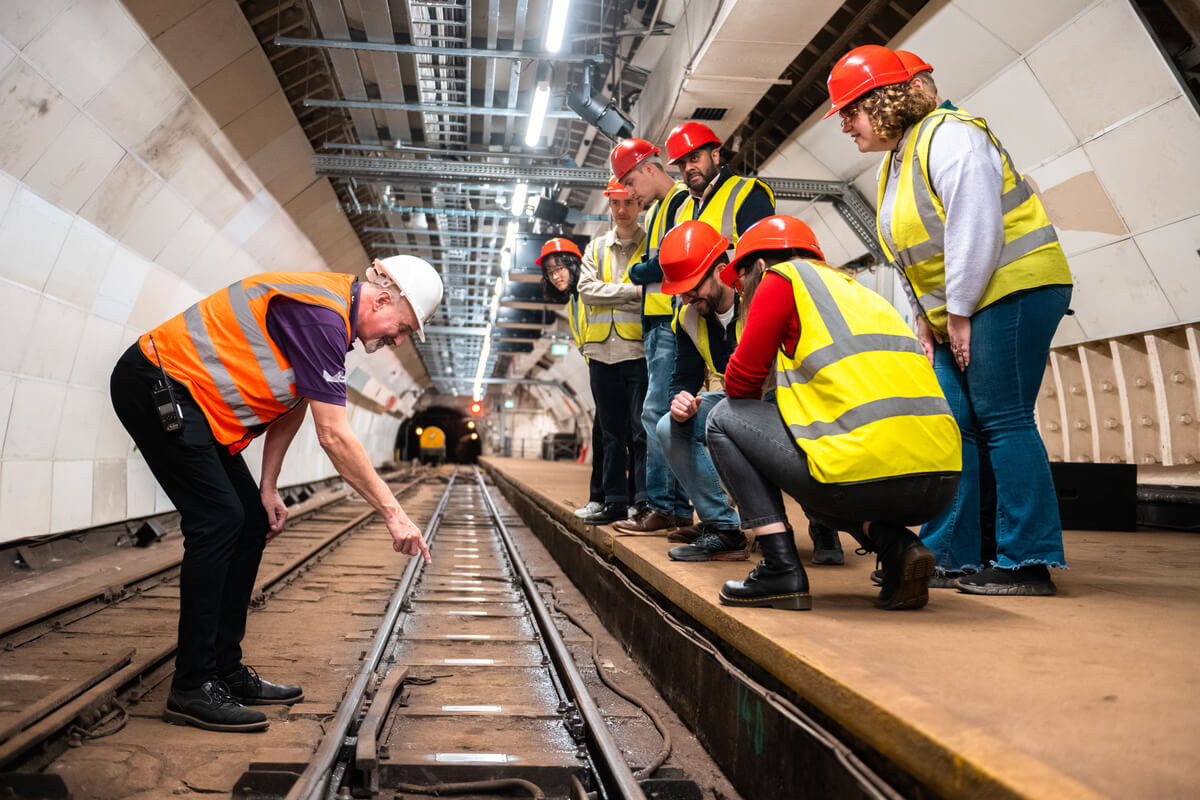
(423, 108)
(465, 52)
(400, 147)
(607, 749)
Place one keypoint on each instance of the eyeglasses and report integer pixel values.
(694, 292)
(552, 271)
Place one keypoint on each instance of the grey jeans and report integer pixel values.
(758, 459)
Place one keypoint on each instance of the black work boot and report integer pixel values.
(779, 580)
(827, 546)
(907, 567)
(608, 513)
(211, 707)
(249, 689)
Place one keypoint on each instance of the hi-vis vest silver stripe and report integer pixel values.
(279, 380)
(935, 245)
(844, 344)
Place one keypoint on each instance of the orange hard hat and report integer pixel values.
(559, 245)
(779, 232)
(913, 62)
(861, 70)
(628, 154)
(686, 254)
(686, 137)
(615, 189)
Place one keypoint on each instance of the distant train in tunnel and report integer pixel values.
(433, 445)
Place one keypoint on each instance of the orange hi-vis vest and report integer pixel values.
(221, 351)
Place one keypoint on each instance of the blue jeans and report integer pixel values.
(663, 491)
(992, 402)
(692, 465)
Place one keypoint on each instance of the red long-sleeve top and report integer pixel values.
(772, 323)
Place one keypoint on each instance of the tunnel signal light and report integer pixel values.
(420, 431)
(476, 407)
(474, 435)
(471, 424)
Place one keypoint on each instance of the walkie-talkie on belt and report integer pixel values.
(170, 415)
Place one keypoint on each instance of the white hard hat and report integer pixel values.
(417, 280)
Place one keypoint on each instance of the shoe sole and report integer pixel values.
(917, 565)
(627, 529)
(249, 701)
(179, 718)
(829, 561)
(1010, 589)
(787, 602)
(741, 556)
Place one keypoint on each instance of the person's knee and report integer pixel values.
(663, 429)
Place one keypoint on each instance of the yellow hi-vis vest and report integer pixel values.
(577, 316)
(221, 350)
(1030, 257)
(597, 322)
(689, 318)
(721, 211)
(657, 303)
(858, 394)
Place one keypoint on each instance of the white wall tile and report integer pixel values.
(963, 52)
(121, 285)
(186, 243)
(1173, 253)
(81, 264)
(32, 113)
(1021, 23)
(24, 493)
(1116, 293)
(205, 41)
(82, 412)
(75, 165)
(31, 234)
(208, 271)
(1149, 165)
(20, 306)
(34, 419)
(151, 307)
(108, 491)
(1069, 331)
(1101, 68)
(138, 98)
(112, 442)
(252, 216)
(121, 194)
(71, 507)
(8, 385)
(22, 20)
(152, 225)
(58, 329)
(1077, 203)
(8, 189)
(825, 140)
(85, 47)
(162, 503)
(102, 344)
(1008, 103)
(139, 488)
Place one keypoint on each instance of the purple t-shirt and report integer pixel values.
(314, 339)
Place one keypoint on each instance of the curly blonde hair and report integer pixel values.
(892, 109)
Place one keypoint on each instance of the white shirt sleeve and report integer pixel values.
(967, 175)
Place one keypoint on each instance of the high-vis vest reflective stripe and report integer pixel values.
(858, 394)
(657, 303)
(220, 349)
(1030, 257)
(721, 211)
(599, 320)
(689, 318)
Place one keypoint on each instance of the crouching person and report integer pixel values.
(860, 433)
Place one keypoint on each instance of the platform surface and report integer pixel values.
(1092, 693)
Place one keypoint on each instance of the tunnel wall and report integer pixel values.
(146, 160)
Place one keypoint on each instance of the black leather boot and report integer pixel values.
(211, 707)
(250, 690)
(779, 580)
(907, 567)
(827, 547)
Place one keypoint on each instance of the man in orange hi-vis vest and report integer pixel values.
(252, 359)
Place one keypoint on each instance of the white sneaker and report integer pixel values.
(591, 508)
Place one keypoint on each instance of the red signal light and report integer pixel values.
(476, 408)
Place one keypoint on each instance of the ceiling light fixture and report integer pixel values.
(556, 25)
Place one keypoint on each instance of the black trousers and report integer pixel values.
(221, 515)
(620, 392)
(596, 481)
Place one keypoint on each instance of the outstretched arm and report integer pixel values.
(275, 445)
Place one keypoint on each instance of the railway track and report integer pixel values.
(465, 685)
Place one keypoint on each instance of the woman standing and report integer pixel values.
(989, 283)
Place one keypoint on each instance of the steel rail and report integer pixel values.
(618, 772)
(312, 783)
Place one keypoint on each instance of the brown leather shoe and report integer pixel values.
(646, 522)
(682, 522)
(686, 535)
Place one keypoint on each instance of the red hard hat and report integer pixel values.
(559, 245)
(913, 62)
(779, 232)
(615, 189)
(686, 254)
(686, 137)
(861, 70)
(628, 154)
